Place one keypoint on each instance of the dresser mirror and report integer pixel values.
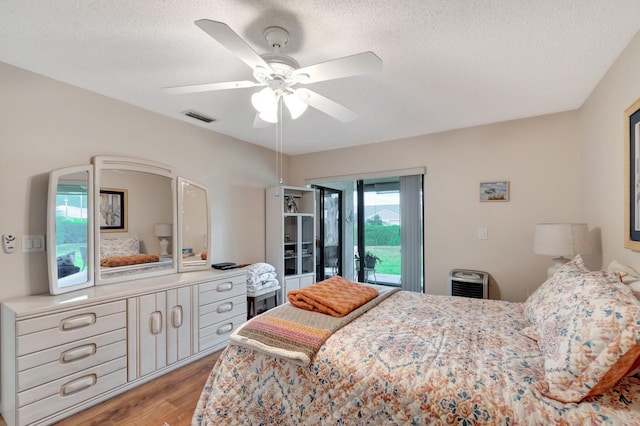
(135, 219)
(122, 218)
(70, 229)
(193, 224)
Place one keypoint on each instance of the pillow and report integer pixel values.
(551, 291)
(119, 247)
(591, 338)
(627, 273)
(635, 288)
(67, 259)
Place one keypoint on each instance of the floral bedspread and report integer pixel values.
(412, 360)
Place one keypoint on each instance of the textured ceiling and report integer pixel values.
(446, 64)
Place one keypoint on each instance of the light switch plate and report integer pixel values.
(483, 234)
(32, 243)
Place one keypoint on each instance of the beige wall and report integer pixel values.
(539, 156)
(562, 167)
(48, 125)
(601, 133)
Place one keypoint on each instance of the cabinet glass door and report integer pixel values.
(290, 245)
(307, 244)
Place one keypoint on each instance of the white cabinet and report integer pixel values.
(65, 353)
(222, 307)
(290, 236)
(159, 330)
(295, 283)
(61, 360)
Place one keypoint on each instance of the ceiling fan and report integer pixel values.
(280, 74)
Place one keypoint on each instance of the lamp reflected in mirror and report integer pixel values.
(163, 231)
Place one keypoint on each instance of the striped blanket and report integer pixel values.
(296, 334)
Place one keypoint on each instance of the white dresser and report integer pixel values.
(62, 354)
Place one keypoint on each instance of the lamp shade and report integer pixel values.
(562, 239)
(163, 230)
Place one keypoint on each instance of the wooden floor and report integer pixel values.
(171, 398)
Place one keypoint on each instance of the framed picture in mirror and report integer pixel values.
(113, 210)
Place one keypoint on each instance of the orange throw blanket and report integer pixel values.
(336, 296)
(134, 259)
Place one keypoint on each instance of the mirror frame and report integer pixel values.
(54, 178)
(192, 266)
(102, 163)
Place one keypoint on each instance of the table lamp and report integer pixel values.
(163, 231)
(560, 239)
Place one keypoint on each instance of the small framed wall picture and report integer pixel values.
(113, 210)
(494, 191)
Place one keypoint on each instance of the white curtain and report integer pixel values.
(411, 232)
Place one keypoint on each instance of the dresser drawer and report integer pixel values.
(222, 310)
(61, 394)
(222, 289)
(219, 333)
(61, 361)
(44, 332)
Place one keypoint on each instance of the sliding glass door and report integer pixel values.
(329, 250)
(379, 257)
(380, 231)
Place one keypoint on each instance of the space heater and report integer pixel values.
(469, 283)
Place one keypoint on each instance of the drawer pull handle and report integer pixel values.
(226, 307)
(155, 322)
(176, 316)
(225, 328)
(78, 353)
(225, 286)
(78, 385)
(78, 321)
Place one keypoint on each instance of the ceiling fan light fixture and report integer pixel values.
(264, 100)
(270, 116)
(295, 106)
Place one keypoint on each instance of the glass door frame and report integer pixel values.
(321, 193)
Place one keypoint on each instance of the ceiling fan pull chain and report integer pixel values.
(279, 125)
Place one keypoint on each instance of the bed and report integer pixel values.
(568, 355)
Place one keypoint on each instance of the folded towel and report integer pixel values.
(256, 269)
(266, 276)
(336, 296)
(252, 287)
(261, 291)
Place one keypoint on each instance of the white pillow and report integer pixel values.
(118, 247)
(635, 288)
(627, 273)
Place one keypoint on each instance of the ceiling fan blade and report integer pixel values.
(259, 123)
(208, 87)
(224, 35)
(361, 63)
(326, 105)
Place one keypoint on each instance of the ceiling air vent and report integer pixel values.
(198, 116)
